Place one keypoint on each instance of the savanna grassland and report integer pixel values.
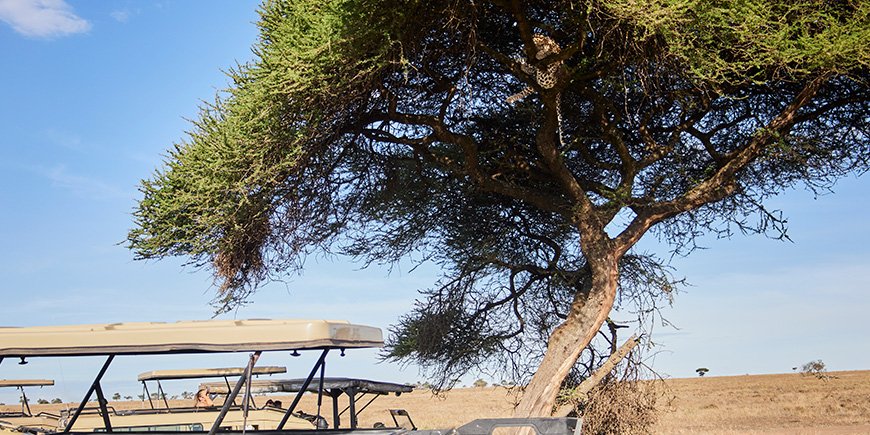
(751, 404)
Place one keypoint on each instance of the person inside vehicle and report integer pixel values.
(202, 399)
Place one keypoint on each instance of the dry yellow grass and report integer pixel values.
(788, 403)
(759, 404)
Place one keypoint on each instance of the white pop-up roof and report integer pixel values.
(185, 337)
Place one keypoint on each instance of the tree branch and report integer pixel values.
(724, 181)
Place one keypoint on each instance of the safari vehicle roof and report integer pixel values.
(160, 375)
(294, 385)
(185, 337)
(26, 383)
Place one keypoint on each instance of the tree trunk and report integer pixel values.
(588, 313)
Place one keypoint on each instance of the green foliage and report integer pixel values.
(737, 41)
(379, 129)
(56, 400)
(214, 199)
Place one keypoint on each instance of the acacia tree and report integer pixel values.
(524, 146)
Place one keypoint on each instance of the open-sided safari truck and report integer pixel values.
(157, 376)
(25, 417)
(191, 417)
(216, 336)
(360, 393)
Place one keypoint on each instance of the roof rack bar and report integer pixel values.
(302, 390)
(232, 396)
(202, 373)
(84, 402)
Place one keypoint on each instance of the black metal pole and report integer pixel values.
(232, 396)
(163, 395)
(103, 409)
(229, 388)
(24, 404)
(303, 389)
(320, 391)
(147, 393)
(94, 385)
(351, 394)
(336, 419)
(375, 396)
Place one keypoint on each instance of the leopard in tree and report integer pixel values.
(545, 77)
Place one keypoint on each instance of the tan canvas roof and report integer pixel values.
(185, 337)
(159, 375)
(25, 382)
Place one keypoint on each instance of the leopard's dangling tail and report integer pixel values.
(559, 118)
(529, 91)
(545, 77)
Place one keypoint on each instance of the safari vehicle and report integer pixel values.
(252, 337)
(192, 418)
(354, 389)
(186, 374)
(25, 417)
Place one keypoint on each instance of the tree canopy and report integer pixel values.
(382, 130)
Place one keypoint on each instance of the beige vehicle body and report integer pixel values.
(188, 420)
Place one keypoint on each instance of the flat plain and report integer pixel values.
(750, 404)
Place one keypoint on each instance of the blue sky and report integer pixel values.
(94, 92)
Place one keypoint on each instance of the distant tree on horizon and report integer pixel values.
(817, 369)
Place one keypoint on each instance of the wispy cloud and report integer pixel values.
(65, 139)
(121, 15)
(82, 186)
(42, 18)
